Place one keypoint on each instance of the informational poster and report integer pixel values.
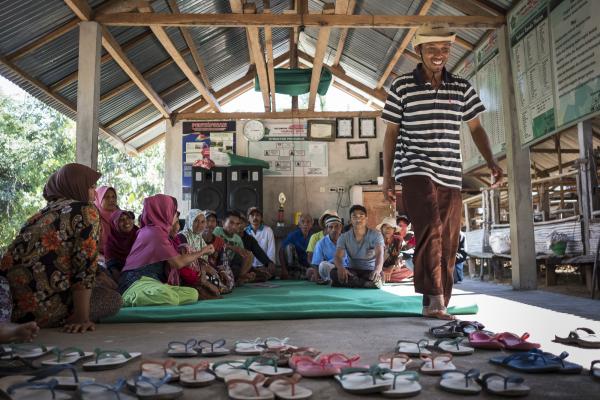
(285, 129)
(575, 28)
(532, 68)
(201, 140)
(291, 156)
(470, 155)
(490, 91)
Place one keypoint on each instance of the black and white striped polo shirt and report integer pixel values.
(429, 138)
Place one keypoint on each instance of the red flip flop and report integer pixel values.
(514, 342)
(481, 340)
(312, 367)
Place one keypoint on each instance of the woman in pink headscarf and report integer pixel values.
(121, 237)
(106, 202)
(153, 252)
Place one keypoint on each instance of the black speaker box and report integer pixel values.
(244, 188)
(209, 189)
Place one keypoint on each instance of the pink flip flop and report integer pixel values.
(514, 342)
(340, 360)
(312, 367)
(481, 340)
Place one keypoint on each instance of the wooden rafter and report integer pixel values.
(269, 55)
(306, 20)
(258, 57)
(407, 38)
(237, 7)
(343, 7)
(72, 77)
(468, 7)
(278, 115)
(320, 49)
(488, 6)
(83, 11)
(164, 39)
(61, 100)
(464, 44)
(189, 40)
(339, 73)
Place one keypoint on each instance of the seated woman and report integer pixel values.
(153, 252)
(120, 241)
(106, 203)
(51, 264)
(198, 274)
(394, 270)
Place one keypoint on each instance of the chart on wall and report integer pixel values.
(201, 140)
(532, 69)
(481, 69)
(575, 27)
(291, 156)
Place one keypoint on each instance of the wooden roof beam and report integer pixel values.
(189, 40)
(258, 57)
(307, 20)
(269, 55)
(169, 46)
(278, 115)
(237, 7)
(320, 49)
(407, 38)
(468, 7)
(342, 7)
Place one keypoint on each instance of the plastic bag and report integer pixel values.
(500, 243)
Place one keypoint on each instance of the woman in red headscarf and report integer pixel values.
(51, 265)
(121, 237)
(106, 203)
(153, 252)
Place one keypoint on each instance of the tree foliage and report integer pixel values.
(36, 140)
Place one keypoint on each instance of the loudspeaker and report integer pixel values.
(209, 189)
(244, 188)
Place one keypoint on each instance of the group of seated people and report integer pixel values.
(81, 258)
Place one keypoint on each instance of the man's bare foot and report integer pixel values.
(438, 314)
(10, 332)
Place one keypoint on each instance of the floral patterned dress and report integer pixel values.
(55, 251)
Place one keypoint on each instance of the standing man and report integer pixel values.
(424, 111)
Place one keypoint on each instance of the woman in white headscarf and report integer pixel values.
(192, 232)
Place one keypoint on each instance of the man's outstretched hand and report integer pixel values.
(497, 174)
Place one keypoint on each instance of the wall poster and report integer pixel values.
(291, 156)
(202, 139)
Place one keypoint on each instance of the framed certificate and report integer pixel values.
(321, 130)
(345, 128)
(356, 150)
(367, 128)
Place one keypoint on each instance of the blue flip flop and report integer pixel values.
(566, 367)
(527, 362)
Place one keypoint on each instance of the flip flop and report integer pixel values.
(287, 388)
(45, 375)
(207, 348)
(249, 347)
(276, 343)
(340, 360)
(527, 362)
(470, 326)
(159, 369)
(364, 380)
(195, 375)
(565, 367)
(404, 384)
(451, 329)
(109, 359)
(224, 368)
(412, 348)
(69, 355)
(482, 340)
(155, 389)
(26, 350)
(500, 385)
(182, 349)
(17, 366)
(582, 337)
(595, 371)
(453, 346)
(35, 391)
(436, 365)
(395, 362)
(268, 366)
(514, 342)
(283, 355)
(240, 387)
(312, 367)
(101, 391)
(461, 382)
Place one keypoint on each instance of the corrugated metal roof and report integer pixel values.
(223, 50)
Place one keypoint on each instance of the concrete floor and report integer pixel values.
(542, 314)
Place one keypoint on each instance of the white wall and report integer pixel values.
(303, 193)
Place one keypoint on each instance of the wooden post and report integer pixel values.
(88, 94)
(587, 179)
(524, 274)
(560, 169)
